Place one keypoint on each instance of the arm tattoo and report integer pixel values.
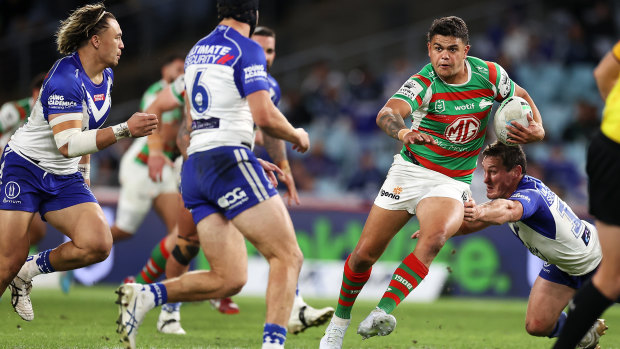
(275, 148)
(391, 124)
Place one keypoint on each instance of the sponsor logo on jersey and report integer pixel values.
(99, 97)
(254, 71)
(232, 199)
(520, 196)
(209, 54)
(504, 83)
(484, 103)
(468, 106)
(462, 130)
(482, 69)
(209, 50)
(547, 194)
(410, 89)
(58, 101)
(390, 195)
(440, 106)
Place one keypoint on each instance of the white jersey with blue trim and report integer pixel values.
(66, 89)
(552, 231)
(221, 70)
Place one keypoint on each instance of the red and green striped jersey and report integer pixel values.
(12, 115)
(170, 150)
(456, 116)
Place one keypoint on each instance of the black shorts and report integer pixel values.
(603, 167)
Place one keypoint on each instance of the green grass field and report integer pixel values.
(85, 318)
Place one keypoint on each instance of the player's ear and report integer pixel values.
(466, 49)
(94, 40)
(517, 170)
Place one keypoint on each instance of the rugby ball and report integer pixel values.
(512, 109)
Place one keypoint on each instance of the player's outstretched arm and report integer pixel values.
(272, 122)
(72, 141)
(535, 131)
(498, 211)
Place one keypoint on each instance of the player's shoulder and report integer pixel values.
(426, 75)
(66, 69)
(482, 67)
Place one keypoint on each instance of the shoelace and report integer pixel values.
(19, 292)
(334, 335)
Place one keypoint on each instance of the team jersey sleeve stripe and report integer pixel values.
(492, 72)
(422, 79)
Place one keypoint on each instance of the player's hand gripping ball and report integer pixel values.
(512, 109)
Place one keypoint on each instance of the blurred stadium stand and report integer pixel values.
(339, 61)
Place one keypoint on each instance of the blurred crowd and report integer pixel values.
(549, 49)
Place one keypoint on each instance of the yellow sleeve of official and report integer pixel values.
(616, 50)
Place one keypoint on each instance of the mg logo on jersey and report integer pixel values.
(232, 198)
(440, 106)
(99, 97)
(12, 190)
(462, 130)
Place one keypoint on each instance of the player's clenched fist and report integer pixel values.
(142, 124)
(303, 140)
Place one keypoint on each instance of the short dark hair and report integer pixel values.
(449, 26)
(264, 31)
(240, 10)
(511, 155)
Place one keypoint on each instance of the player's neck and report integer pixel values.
(242, 28)
(92, 65)
(459, 78)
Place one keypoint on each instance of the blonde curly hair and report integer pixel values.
(84, 22)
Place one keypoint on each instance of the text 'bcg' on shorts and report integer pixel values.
(227, 179)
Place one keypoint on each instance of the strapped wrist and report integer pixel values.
(121, 131)
(84, 169)
(402, 133)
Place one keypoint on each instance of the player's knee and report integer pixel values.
(537, 328)
(234, 285)
(99, 252)
(362, 260)
(436, 241)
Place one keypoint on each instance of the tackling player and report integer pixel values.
(549, 229)
(224, 185)
(46, 164)
(449, 101)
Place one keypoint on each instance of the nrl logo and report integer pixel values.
(440, 106)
